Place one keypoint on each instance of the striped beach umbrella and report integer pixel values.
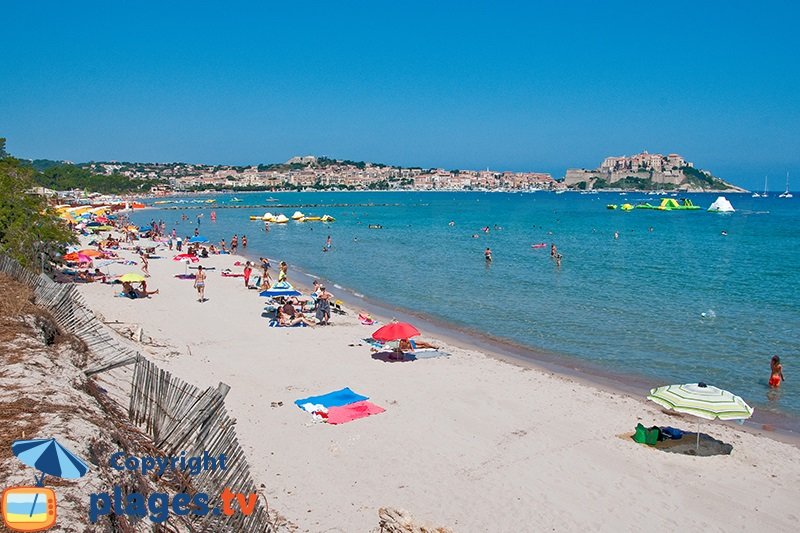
(49, 457)
(282, 288)
(703, 401)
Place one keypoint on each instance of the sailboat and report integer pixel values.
(786, 194)
(756, 195)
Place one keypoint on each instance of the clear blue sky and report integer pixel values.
(506, 85)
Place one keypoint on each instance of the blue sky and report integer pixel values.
(505, 85)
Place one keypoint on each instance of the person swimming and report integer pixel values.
(776, 375)
(488, 255)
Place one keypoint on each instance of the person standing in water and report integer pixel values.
(487, 254)
(776, 375)
(328, 242)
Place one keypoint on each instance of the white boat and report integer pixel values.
(756, 195)
(765, 195)
(298, 215)
(281, 219)
(786, 194)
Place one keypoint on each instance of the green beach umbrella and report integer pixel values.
(703, 401)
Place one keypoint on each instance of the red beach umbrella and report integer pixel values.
(186, 257)
(395, 331)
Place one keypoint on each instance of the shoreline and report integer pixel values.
(778, 425)
(454, 427)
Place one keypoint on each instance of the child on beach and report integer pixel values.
(244, 241)
(776, 375)
(143, 256)
(247, 271)
(200, 284)
(283, 271)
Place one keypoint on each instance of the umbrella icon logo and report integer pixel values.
(34, 508)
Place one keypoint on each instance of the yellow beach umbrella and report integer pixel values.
(132, 277)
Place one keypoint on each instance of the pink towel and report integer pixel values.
(353, 411)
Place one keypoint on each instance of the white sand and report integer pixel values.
(468, 441)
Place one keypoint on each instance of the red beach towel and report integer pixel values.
(353, 411)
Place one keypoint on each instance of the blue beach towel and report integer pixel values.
(333, 399)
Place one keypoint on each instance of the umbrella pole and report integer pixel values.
(698, 438)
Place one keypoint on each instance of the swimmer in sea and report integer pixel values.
(776, 370)
(488, 255)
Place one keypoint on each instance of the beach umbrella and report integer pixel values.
(186, 257)
(282, 288)
(198, 240)
(133, 277)
(84, 258)
(395, 331)
(703, 401)
(49, 457)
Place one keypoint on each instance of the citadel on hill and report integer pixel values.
(647, 171)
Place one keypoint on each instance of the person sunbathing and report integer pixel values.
(286, 320)
(405, 344)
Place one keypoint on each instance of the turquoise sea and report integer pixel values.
(672, 300)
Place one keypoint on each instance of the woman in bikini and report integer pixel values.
(777, 372)
(200, 284)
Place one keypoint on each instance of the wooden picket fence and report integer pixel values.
(178, 416)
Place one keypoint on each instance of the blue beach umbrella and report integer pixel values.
(199, 240)
(281, 288)
(49, 457)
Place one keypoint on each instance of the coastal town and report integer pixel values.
(643, 171)
(310, 172)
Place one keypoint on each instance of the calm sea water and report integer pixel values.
(672, 299)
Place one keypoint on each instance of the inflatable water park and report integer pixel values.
(720, 205)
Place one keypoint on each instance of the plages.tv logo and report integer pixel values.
(34, 508)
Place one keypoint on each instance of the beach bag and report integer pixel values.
(652, 436)
(640, 434)
(671, 433)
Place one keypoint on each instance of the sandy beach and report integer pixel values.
(467, 441)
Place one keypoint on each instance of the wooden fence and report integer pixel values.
(178, 416)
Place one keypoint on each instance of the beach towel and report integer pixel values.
(231, 275)
(337, 398)
(429, 353)
(275, 324)
(185, 276)
(353, 411)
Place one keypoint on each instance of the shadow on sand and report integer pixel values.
(688, 445)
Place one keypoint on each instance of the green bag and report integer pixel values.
(640, 435)
(651, 436)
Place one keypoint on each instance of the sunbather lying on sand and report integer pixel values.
(288, 320)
